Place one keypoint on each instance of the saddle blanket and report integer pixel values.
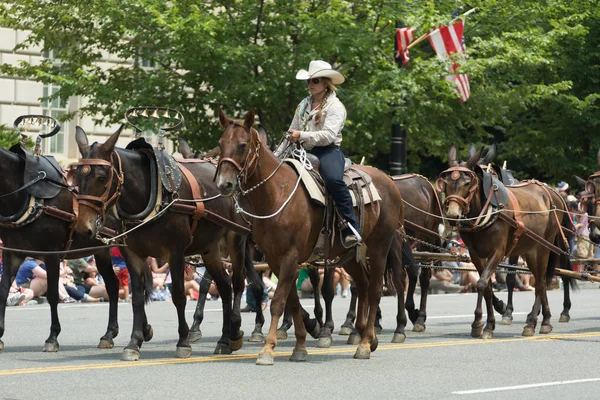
(316, 193)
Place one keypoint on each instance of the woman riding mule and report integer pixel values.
(317, 126)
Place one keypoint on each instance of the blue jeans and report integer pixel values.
(332, 171)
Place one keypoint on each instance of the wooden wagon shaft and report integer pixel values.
(411, 225)
(577, 275)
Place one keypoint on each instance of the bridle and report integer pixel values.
(104, 201)
(250, 163)
(590, 197)
(464, 202)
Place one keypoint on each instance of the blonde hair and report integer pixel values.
(330, 85)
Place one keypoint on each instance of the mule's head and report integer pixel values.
(99, 177)
(239, 147)
(459, 183)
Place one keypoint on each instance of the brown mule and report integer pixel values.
(533, 233)
(111, 177)
(288, 238)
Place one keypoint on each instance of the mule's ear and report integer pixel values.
(262, 133)
(184, 148)
(580, 182)
(452, 156)
(249, 120)
(82, 141)
(474, 159)
(213, 153)
(490, 155)
(223, 120)
(472, 150)
(109, 146)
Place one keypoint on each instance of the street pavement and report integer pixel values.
(443, 362)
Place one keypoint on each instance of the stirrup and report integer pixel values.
(354, 239)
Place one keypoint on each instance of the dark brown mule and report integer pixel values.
(490, 242)
(590, 202)
(49, 232)
(169, 236)
(288, 238)
(229, 245)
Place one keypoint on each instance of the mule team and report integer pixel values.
(530, 222)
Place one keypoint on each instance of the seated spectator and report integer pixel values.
(120, 268)
(160, 292)
(305, 287)
(15, 295)
(82, 287)
(191, 287)
(32, 275)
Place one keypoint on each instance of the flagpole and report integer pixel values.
(426, 35)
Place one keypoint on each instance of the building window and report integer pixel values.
(54, 108)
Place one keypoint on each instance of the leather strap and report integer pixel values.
(197, 195)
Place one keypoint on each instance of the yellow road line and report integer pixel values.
(146, 363)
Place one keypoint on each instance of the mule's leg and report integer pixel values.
(564, 315)
(360, 277)
(287, 274)
(488, 331)
(226, 344)
(348, 325)
(104, 265)
(540, 279)
(511, 281)
(377, 260)
(424, 279)
(477, 325)
(53, 272)
(195, 331)
(237, 252)
(299, 353)
(401, 320)
(328, 292)
(12, 262)
(136, 266)
(286, 324)
(257, 286)
(315, 280)
(543, 257)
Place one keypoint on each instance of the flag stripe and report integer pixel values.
(404, 36)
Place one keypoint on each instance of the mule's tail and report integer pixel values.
(562, 260)
(400, 255)
(148, 284)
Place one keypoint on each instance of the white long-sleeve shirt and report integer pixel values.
(329, 129)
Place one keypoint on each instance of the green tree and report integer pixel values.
(533, 68)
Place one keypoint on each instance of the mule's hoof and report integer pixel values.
(377, 329)
(258, 337)
(324, 342)
(316, 332)
(362, 354)
(399, 338)
(237, 344)
(195, 335)
(130, 355)
(528, 331)
(545, 329)
(418, 328)
(564, 318)
(476, 333)
(223, 348)
(183, 352)
(106, 344)
(51, 346)
(487, 335)
(1, 345)
(281, 335)
(354, 338)
(374, 344)
(148, 334)
(265, 359)
(299, 355)
(345, 330)
(506, 321)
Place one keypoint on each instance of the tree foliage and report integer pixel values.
(533, 66)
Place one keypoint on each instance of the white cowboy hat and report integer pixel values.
(320, 69)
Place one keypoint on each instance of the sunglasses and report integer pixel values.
(315, 81)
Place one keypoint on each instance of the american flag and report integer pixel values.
(404, 36)
(445, 41)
